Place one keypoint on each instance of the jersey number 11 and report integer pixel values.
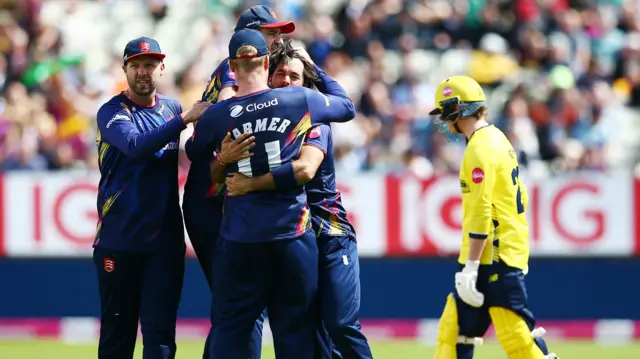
(273, 158)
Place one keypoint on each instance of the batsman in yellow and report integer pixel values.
(494, 255)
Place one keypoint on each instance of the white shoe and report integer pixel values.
(551, 356)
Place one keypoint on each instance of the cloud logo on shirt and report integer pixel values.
(236, 111)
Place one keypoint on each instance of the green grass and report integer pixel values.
(43, 349)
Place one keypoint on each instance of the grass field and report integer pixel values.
(41, 349)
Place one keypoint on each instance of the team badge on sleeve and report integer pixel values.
(477, 175)
(315, 132)
(109, 265)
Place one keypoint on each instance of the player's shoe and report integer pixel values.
(551, 356)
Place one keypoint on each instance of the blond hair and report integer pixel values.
(481, 114)
(244, 61)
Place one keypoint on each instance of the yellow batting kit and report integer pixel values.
(493, 199)
(494, 255)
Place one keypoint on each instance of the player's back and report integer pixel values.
(508, 195)
(128, 182)
(279, 120)
(325, 201)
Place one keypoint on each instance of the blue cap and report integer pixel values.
(261, 16)
(142, 46)
(248, 37)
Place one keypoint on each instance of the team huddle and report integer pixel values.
(265, 219)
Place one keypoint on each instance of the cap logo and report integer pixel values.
(447, 91)
(273, 14)
(145, 46)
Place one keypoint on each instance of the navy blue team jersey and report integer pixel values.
(198, 184)
(138, 161)
(328, 216)
(279, 120)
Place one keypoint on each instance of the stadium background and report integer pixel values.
(563, 78)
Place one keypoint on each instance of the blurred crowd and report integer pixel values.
(562, 76)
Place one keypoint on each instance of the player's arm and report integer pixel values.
(289, 175)
(327, 85)
(117, 129)
(217, 169)
(330, 108)
(203, 139)
(480, 178)
(225, 94)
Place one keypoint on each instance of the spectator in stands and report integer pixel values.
(558, 76)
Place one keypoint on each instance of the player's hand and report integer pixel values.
(304, 54)
(238, 184)
(196, 111)
(466, 284)
(234, 151)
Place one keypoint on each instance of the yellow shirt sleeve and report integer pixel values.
(480, 171)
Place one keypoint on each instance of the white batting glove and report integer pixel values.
(466, 284)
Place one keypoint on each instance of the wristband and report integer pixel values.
(284, 176)
(473, 265)
(219, 159)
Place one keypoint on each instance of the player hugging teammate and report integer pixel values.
(494, 257)
(339, 276)
(267, 253)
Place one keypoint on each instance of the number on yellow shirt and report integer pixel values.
(514, 177)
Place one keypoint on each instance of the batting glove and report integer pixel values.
(466, 284)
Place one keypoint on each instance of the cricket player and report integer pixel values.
(336, 239)
(490, 285)
(202, 200)
(139, 245)
(267, 254)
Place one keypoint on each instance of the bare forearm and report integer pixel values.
(267, 183)
(476, 246)
(217, 172)
(263, 183)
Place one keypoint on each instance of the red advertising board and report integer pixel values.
(54, 214)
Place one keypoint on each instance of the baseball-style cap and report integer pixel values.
(261, 16)
(247, 37)
(142, 46)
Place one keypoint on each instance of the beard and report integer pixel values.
(275, 46)
(142, 86)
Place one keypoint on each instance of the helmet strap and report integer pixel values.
(456, 126)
